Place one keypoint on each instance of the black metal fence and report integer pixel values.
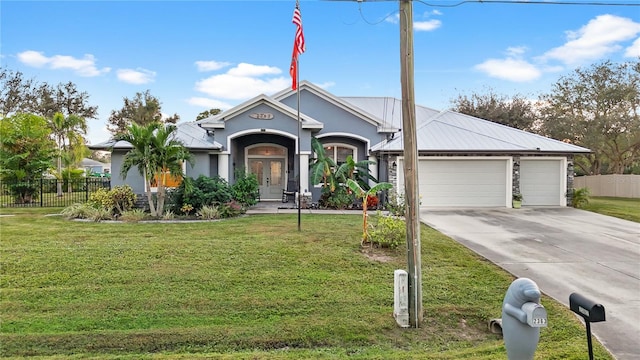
(49, 192)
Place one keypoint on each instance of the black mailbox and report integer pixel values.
(588, 309)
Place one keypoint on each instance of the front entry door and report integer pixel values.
(270, 173)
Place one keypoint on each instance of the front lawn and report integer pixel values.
(245, 288)
(623, 208)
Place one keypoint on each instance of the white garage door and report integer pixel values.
(541, 182)
(462, 182)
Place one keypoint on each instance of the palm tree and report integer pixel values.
(67, 133)
(364, 195)
(322, 169)
(156, 153)
(358, 171)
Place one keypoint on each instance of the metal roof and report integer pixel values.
(451, 131)
(388, 110)
(190, 134)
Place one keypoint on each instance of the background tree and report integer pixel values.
(66, 99)
(143, 109)
(598, 108)
(26, 152)
(17, 94)
(157, 154)
(205, 114)
(20, 95)
(67, 133)
(517, 111)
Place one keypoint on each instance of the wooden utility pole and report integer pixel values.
(412, 202)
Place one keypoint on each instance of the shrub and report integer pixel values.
(23, 192)
(339, 199)
(101, 214)
(123, 198)
(580, 197)
(186, 209)
(118, 200)
(79, 211)
(200, 192)
(134, 215)
(246, 188)
(388, 231)
(209, 212)
(168, 215)
(372, 202)
(230, 209)
(396, 205)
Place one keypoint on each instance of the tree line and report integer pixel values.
(596, 107)
(43, 127)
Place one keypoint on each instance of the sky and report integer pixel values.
(198, 55)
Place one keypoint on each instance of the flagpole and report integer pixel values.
(299, 125)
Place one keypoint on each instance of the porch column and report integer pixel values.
(223, 166)
(373, 169)
(304, 171)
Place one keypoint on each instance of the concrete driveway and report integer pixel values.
(564, 250)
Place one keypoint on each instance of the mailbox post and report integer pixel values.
(590, 312)
(522, 318)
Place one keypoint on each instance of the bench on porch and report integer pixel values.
(290, 191)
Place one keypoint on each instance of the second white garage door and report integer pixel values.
(462, 182)
(542, 182)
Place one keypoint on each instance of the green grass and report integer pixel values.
(623, 208)
(245, 288)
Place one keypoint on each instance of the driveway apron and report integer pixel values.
(564, 250)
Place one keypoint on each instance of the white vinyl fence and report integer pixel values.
(627, 186)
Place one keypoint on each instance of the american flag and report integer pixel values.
(298, 46)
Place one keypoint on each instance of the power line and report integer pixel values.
(517, 2)
(532, 2)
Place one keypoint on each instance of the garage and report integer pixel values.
(462, 182)
(542, 181)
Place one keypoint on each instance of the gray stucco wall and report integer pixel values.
(334, 118)
(133, 178)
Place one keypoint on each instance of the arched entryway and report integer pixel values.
(269, 163)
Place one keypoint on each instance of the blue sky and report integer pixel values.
(198, 55)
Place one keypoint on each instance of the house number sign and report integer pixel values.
(261, 116)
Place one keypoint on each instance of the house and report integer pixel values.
(95, 167)
(463, 161)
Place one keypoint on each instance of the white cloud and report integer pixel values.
(249, 70)
(516, 51)
(511, 69)
(428, 25)
(211, 65)
(393, 19)
(229, 86)
(137, 76)
(601, 36)
(633, 50)
(85, 66)
(326, 85)
(209, 103)
(243, 82)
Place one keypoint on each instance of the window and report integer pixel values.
(267, 150)
(170, 181)
(339, 152)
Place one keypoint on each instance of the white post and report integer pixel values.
(373, 169)
(223, 166)
(304, 172)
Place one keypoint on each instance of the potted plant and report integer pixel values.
(517, 200)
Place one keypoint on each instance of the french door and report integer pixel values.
(270, 174)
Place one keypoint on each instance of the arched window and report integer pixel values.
(339, 152)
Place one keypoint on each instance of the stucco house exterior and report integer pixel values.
(463, 161)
